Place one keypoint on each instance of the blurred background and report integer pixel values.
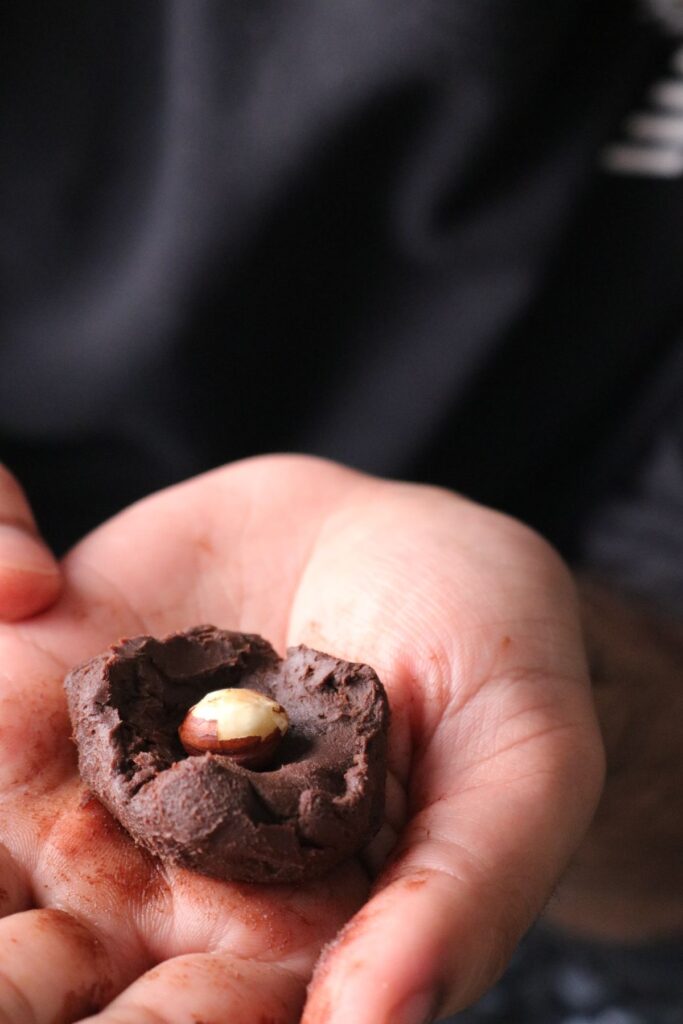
(436, 241)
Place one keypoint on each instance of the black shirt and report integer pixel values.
(405, 234)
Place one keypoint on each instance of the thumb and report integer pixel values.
(30, 579)
(474, 869)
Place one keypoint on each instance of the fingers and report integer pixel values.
(29, 576)
(52, 969)
(208, 987)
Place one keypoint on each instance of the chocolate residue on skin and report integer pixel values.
(315, 805)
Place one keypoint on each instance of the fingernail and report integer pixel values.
(419, 1008)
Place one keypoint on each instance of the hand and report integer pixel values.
(29, 575)
(469, 619)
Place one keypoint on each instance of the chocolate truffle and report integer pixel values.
(316, 804)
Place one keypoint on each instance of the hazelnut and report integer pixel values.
(241, 724)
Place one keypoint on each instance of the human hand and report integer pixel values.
(29, 576)
(470, 621)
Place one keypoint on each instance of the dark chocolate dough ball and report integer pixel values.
(318, 803)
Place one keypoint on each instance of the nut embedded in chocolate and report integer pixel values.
(241, 724)
(317, 802)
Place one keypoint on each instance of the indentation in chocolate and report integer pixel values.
(317, 803)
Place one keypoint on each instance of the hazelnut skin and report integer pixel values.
(241, 724)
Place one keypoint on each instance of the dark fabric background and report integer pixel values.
(377, 232)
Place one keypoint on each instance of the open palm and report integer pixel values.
(495, 761)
